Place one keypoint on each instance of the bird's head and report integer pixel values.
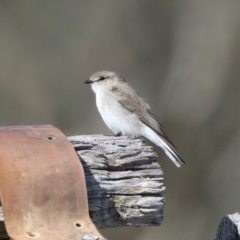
(103, 79)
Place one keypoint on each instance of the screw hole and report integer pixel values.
(78, 225)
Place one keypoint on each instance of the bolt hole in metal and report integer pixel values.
(78, 225)
(51, 137)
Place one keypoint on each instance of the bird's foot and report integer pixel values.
(118, 134)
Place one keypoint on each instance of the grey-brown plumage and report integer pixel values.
(123, 110)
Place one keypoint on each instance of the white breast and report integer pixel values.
(115, 116)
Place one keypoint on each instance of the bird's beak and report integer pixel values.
(88, 81)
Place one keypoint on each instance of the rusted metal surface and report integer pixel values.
(42, 186)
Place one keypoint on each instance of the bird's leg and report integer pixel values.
(118, 134)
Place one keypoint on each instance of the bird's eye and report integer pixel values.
(101, 78)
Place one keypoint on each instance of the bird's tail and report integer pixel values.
(172, 154)
(166, 145)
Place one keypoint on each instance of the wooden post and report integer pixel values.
(125, 184)
(229, 228)
(124, 180)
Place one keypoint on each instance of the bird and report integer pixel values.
(126, 113)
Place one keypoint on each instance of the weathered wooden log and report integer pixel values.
(229, 228)
(124, 180)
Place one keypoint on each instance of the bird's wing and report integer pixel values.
(130, 100)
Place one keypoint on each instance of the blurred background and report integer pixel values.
(182, 56)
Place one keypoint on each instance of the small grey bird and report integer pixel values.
(124, 112)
